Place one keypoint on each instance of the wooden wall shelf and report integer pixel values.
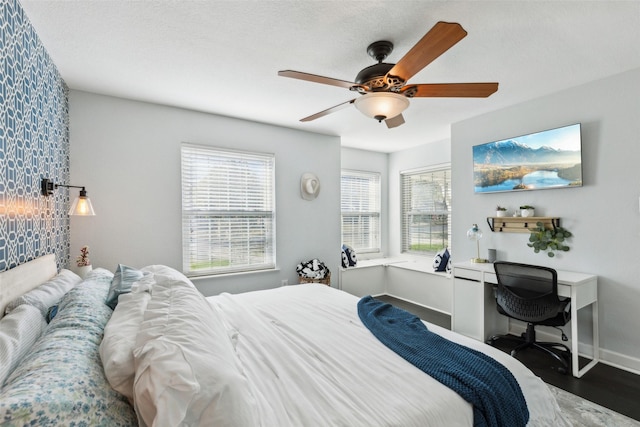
(521, 224)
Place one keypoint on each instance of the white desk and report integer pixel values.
(475, 315)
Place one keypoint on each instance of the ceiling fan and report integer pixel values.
(383, 87)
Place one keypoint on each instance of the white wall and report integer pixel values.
(371, 161)
(603, 214)
(432, 154)
(127, 154)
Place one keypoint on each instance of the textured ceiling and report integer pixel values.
(223, 57)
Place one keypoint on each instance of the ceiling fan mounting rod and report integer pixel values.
(380, 50)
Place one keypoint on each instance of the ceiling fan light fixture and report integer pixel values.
(381, 105)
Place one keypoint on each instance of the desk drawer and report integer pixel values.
(464, 273)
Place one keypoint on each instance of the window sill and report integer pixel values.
(237, 273)
(421, 266)
(373, 262)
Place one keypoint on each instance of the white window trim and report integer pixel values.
(269, 262)
(416, 171)
(378, 212)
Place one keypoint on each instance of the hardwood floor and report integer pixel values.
(613, 388)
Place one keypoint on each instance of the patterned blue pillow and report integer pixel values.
(442, 261)
(349, 258)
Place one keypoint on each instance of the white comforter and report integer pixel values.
(309, 361)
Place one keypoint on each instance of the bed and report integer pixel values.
(164, 355)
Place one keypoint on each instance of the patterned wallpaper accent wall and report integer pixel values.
(34, 144)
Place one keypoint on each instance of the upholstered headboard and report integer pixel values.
(23, 278)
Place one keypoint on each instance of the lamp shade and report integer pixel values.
(82, 206)
(382, 105)
(474, 233)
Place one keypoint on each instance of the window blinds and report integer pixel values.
(360, 206)
(426, 210)
(228, 210)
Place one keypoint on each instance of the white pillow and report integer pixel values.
(166, 272)
(47, 294)
(19, 330)
(116, 348)
(186, 368)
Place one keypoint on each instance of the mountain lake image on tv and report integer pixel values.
(542, 160)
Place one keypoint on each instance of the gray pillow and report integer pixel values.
(19, 330)
(124, 277)
(47, 294)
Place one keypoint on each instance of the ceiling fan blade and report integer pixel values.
(437, 41)
(453, 90)
(328, 111)
(395, 121)
(316, 79)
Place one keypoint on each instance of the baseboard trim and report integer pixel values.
(620, 361)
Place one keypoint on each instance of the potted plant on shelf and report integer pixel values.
(501, 211)
(527, 211)
(549, 240)
(83, 262)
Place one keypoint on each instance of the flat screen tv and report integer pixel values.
(537, 161)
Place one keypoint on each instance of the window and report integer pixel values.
(426, 210)
(360, 206)
(228, 211)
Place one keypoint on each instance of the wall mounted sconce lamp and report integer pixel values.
(81, 205)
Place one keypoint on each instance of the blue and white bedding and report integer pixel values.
(61, 381)
(291, 356)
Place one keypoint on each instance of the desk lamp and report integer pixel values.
(474, 233)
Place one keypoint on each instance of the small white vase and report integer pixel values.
(527, 212)
(83, 271)
(501, 214)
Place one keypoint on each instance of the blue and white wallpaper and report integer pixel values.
(34, 144)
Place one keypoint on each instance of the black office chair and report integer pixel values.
(530, 293)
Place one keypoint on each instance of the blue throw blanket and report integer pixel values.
(492, 390)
